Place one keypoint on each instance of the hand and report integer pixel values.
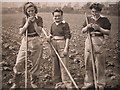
(31, 19)
(49, 38)
(65, 52)
(89, 28)
(96, 27)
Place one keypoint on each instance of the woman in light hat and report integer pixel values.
(32, 23)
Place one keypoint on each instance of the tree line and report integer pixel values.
(112, 9)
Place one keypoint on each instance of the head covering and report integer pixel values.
(96, 6)
(27, 5)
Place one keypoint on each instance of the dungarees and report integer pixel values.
(99, 54)
(59, 73)
(35, 50)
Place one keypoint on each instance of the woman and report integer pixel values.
(33, 24)
(60, 36)
(98, 26)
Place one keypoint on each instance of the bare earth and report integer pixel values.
(11, 43)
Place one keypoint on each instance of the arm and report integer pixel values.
(105, 28)
(65, 51)
(102, 30)
(67, 39)
(50, 35)
(23, 29)
(66, 44)
(25, 25)
(87, 28)
(105, 31)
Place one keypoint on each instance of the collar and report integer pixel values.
(97, 18)
(63, 21)
(36, 17)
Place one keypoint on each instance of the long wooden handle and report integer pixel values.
(92, 55)
(61, 61)
(26, 58)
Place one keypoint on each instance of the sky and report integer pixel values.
(60, 0)
(61, 3)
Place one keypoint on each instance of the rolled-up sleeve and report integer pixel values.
(67, 33)
(107, 24)
(40, 21)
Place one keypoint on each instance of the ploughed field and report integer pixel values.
(11, 43)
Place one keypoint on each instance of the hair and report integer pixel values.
(96, 6)
(57, 10)
(27, 5)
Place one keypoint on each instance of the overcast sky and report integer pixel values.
(61, 3)
(60, 0)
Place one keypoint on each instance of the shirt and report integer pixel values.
(61, 29)
(31, 28)
(101, 21)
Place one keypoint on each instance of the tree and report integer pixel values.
(86, 6)
(67, 9)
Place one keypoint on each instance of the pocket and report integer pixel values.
(98, 48)
(33, 44)
(97, 40)
(61, 44)
(98, 44)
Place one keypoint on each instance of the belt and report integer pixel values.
(58, 38)
(95, 35)
(33, 35)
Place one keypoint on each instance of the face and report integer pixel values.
(95, 13)
(57, 17)
(31, 11)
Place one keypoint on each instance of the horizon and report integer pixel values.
(50, 4)
(59, 1)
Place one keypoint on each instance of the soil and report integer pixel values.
(10, 48)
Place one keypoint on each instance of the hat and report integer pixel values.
(96, 6)
(27, 5)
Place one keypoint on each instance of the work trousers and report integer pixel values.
(35, 50)
(99, 56)
(59, 73)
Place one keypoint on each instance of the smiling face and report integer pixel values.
(95, 13)
(31, 11)
(58, 17)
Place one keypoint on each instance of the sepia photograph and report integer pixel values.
(60, 44)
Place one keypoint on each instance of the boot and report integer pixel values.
(87, 87)
(69, 86)
(14, 86)
(16, 79)
(33, 81)
(101, 87)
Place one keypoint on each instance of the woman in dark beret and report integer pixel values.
(98, 26)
